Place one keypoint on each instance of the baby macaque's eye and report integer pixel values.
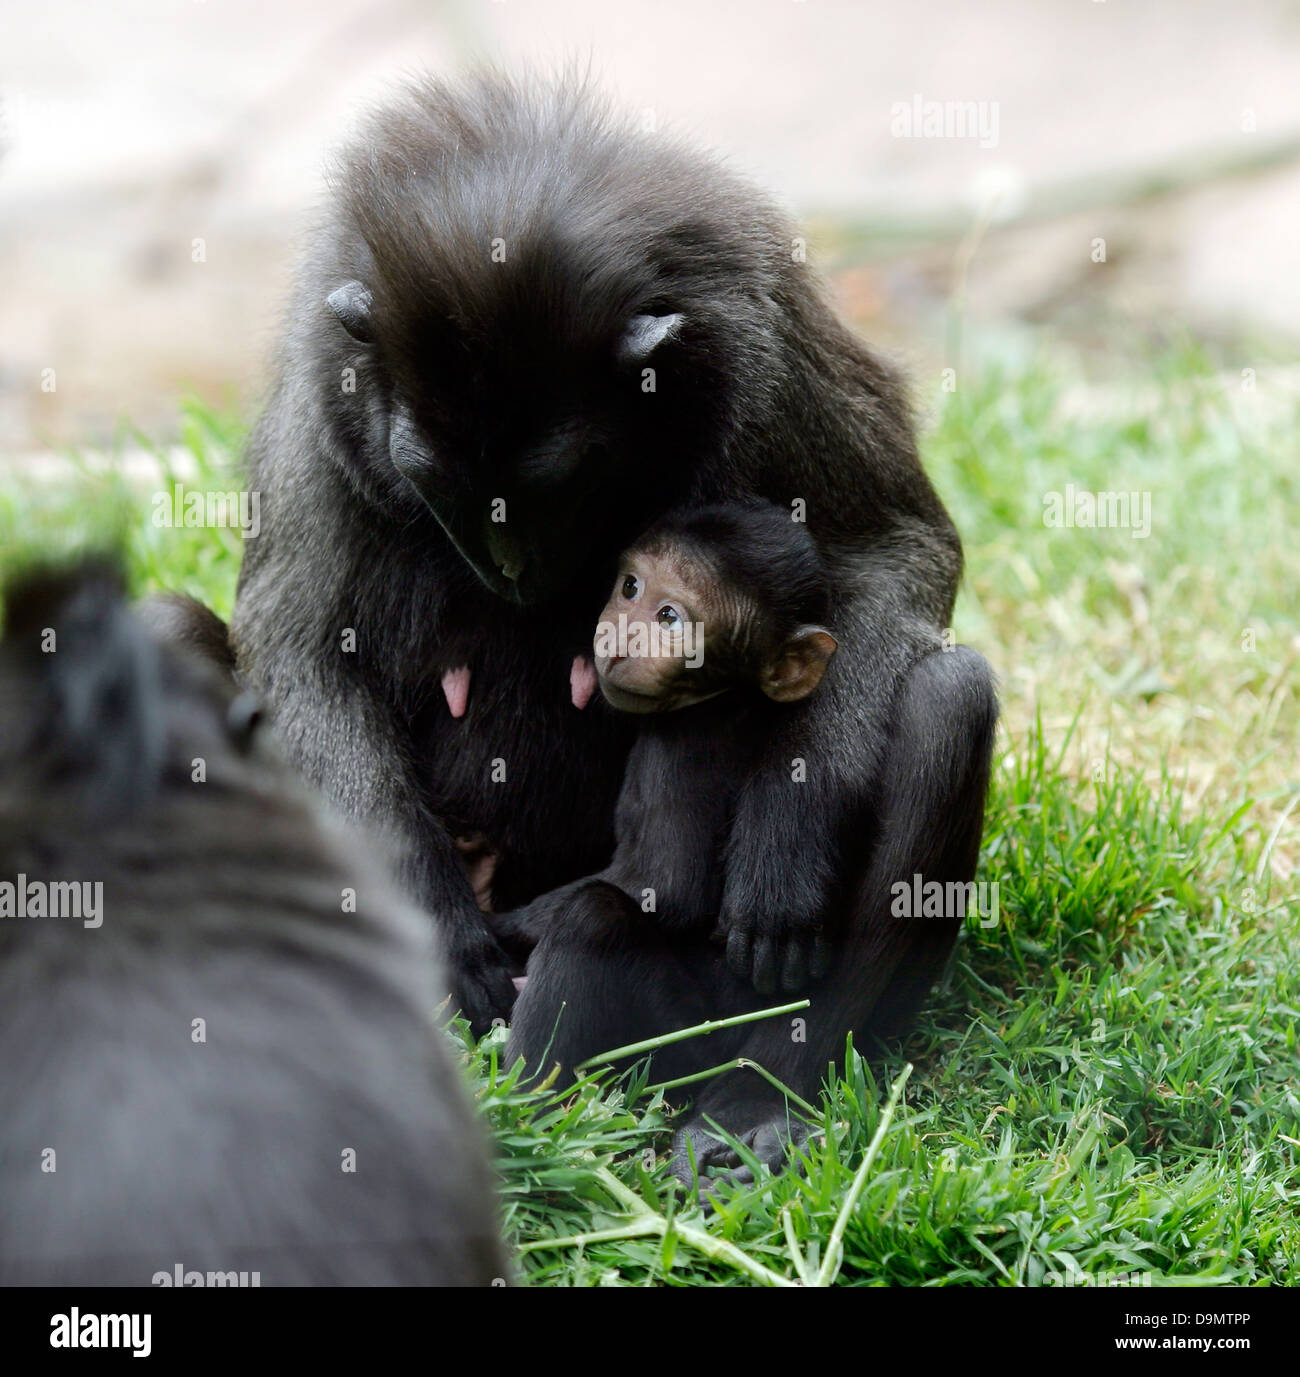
(631, 586)
(670, 618)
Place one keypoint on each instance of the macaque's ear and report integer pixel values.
(798, 666)
(644, 334)
(351, 303)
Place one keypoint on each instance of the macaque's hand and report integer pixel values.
(483, 982)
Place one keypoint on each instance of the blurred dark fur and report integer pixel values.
(182, 621)
(222, 900)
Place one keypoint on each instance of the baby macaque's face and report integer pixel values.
(650, 643)
(674, 633)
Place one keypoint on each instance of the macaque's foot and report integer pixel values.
(768, 1138)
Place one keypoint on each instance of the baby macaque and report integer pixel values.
(715, 625)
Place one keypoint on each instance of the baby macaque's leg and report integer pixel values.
(604, 975)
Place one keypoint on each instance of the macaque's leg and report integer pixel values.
(605, 974)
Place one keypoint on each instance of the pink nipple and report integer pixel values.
(455, 689)
(582, 681)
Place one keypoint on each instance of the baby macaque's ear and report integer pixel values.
(797, 668)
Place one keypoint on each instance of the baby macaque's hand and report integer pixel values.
(772, 921)
(780, 886)
(776, 963)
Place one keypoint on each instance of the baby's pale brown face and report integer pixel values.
(649, 644)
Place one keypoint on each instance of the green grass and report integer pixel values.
(1106, 1086)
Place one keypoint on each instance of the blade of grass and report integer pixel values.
(834, 1255)
(635, 1049)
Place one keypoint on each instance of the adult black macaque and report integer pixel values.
(524, 332)
(195, 1033)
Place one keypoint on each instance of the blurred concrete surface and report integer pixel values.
(133, 129)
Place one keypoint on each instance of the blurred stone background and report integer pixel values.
(1170, 128)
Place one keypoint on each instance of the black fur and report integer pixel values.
(182, 621)
(222, 900)
(523, 379)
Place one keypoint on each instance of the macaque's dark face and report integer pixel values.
(650, 645)
(528, 437)
(519, 487)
